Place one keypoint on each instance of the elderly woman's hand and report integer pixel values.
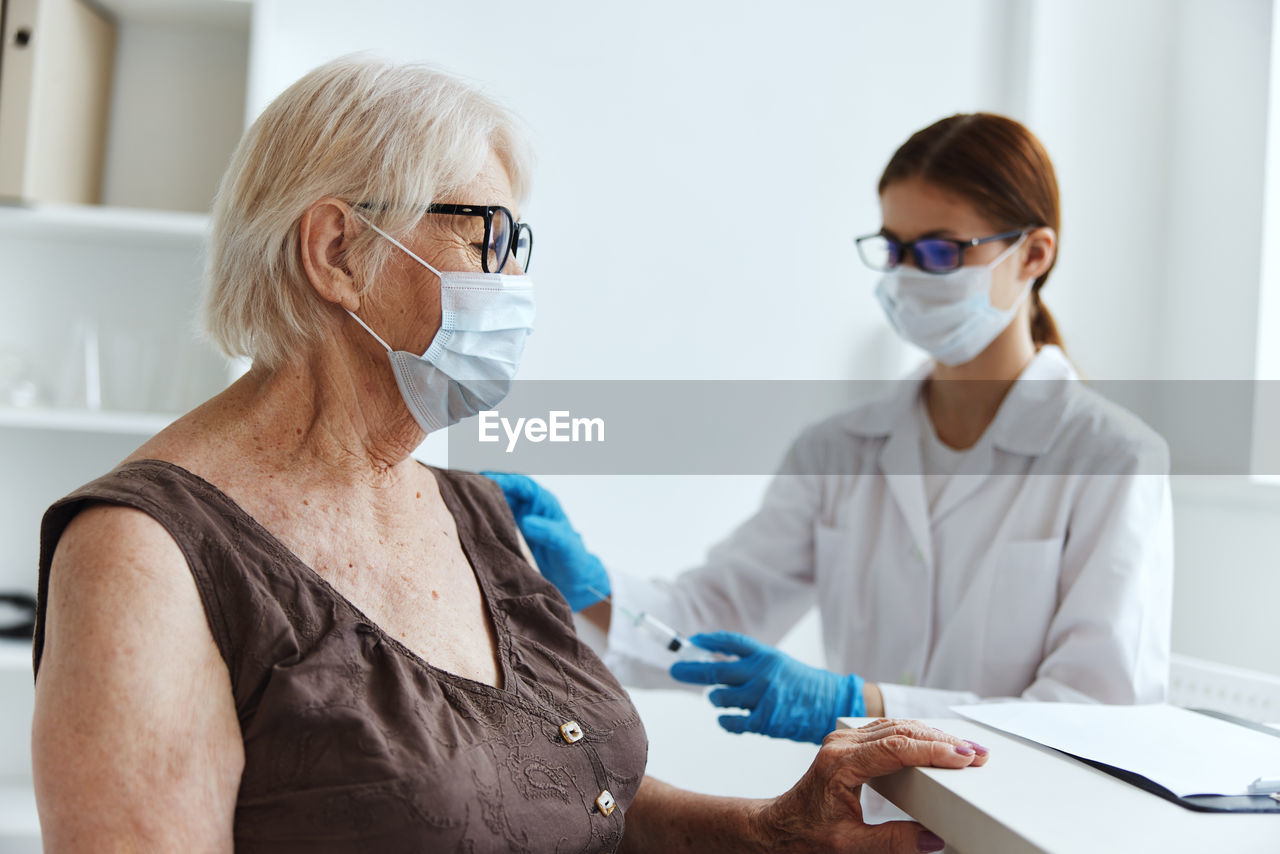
(822, 812)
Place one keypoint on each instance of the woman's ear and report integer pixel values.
(325, 233)
(1041, 249)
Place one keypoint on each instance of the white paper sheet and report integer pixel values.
(1186, 752)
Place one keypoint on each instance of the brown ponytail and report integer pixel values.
(1043, 328)
(1002, 169)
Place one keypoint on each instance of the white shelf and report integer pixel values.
(226, 13)
(86, 421)
(72, 222)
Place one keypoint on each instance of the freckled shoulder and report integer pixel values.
(129, 671)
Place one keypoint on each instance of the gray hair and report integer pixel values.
(361, 130)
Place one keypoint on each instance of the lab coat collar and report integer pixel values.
(1028, 420)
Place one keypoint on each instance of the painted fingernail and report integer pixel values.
(927, 842)
(964, 750)
(978, 748)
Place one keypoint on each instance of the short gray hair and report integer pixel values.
(359, 129)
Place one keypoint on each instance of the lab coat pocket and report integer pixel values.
(1024, 597)
(842, 589)
(831, 565)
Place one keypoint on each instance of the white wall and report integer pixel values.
(1208, 293)
(1098, 97)
(703, 166)
(1226, 584)
(1269, 308)
(1156, 114)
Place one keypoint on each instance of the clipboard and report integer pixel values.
(1198, 803)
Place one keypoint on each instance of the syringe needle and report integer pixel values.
(669, 636)
(626, 612)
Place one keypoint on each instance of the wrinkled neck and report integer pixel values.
(335, 406)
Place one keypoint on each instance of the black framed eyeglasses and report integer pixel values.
(930, 254)
(504, 238)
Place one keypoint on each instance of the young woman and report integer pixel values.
(990, 528)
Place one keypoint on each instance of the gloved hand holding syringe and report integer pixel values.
(783, 697)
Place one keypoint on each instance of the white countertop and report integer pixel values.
(1030, 799)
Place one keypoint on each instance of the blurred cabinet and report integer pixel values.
(98, 348)
(97, 342)
(98, 352)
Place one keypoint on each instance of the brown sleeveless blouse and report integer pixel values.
(354, 743)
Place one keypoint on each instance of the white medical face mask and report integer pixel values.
(484, 320)
(948, 315)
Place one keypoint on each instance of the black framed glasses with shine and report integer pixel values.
(930, 254)
(504, 238)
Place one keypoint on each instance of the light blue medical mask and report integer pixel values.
(484, 321)
(948, 315)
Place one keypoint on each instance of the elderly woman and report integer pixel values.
(271, 629)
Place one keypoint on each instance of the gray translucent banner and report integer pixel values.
(746, 427)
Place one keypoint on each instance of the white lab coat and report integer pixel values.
(1045, 571)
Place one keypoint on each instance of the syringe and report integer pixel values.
(672, 639)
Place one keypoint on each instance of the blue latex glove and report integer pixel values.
(784, 697)
(556, 546)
